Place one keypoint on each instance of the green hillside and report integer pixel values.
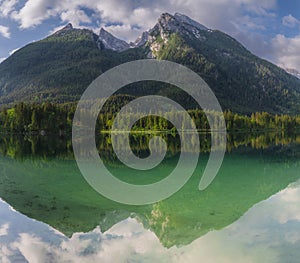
(60, 67)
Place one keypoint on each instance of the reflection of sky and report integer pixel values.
(268, 232)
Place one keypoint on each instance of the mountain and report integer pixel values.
(108, 41)
(61, 66)
(140, 41)
(241, 81)
(57, 68)
(293, 72)
(188, 21)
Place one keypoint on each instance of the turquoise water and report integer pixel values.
(250, 213)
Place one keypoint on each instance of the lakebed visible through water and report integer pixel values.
(250, 213)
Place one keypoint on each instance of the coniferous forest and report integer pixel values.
(57, 118)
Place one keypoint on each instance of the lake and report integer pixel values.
(250, 212)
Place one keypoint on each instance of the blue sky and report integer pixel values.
(268, 28)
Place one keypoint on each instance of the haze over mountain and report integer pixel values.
(60, 67)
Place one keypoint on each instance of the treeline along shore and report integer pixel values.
(57, 119)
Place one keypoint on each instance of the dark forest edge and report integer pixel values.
(23, 147)
(25, 118)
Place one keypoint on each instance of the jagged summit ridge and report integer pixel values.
(68, 26)
(187, 20)
(141, 40)
(108, 41)
(177, 23)
(64, 30)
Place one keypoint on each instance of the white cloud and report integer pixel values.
(129, 241)
(288, 200)
(2, 59)
(76, 16)
(6, 7)
(285, 51)
(290, 21)
(129, 14)
(33, 13)
(5, 253)
(262, 8)
(123, 31)
(268, 232)
(126, 240)
(247, 23)
(4, 31)
(4, 229)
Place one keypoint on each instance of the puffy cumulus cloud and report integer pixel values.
(4, 31)
(32, 248)
(6, 7)
(126, 241)
(34, 13)
(5, 254)
(268, 231)
(4, 229)
(279, 211)
(123, 31)
(285, 51)
(227, 15)
(75, 16)
(288, 200)
(142, 15)
(290, 21)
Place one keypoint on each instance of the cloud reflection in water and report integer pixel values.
(268, 232)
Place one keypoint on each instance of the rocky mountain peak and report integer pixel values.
(68, 26)
(65, 30)
(141, 40)
(178, 23)
(108, 41)
(168, 24)
(187, 20)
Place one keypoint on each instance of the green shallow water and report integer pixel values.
(41, 180)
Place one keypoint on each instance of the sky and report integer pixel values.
(268, 28)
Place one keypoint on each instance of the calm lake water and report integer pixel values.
(250, 213)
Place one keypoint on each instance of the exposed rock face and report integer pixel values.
(177, 24)
(188, 21)
(108, 41)
(168, 24)
(141, 40)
